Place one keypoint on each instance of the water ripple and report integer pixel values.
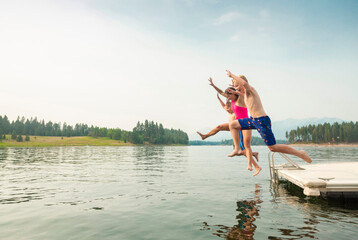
(159, 192)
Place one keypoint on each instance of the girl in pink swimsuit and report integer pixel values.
(240, 112)
(237, 110)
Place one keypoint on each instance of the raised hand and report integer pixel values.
(234, 83)
(240, 90)
(230, 91)
(229, 74)
(211, 81)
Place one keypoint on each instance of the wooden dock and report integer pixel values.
(318, 179)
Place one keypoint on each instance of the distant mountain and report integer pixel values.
(279, 128)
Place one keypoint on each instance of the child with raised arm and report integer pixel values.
(227, 107)
(258, 120)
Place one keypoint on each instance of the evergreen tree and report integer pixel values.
(6, 125)
(64, 129)
(346, 132)
(19, 138)
(27, 127)
(13, 135)
(147, 132)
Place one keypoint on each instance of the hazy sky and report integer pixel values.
(111, 63)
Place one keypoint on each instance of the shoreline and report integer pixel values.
(52, 141)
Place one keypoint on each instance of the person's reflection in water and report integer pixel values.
(245, 229)
(248, 210)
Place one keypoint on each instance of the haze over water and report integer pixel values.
(164, 192)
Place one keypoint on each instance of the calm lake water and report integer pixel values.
(193, 192)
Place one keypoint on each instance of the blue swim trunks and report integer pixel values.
(241, 141)
(263, 126)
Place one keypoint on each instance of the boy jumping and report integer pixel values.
(258, 120)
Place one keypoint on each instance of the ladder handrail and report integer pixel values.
(273, 170)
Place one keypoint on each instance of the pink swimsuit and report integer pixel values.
(240, 112)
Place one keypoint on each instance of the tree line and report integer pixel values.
(346, 132)
(147, 132)
(153, 133)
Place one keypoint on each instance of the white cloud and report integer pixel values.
(226, 18)
(234, 38)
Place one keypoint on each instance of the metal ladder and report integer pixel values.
(274, 169)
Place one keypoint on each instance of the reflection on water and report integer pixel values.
(148, 160)
(43, 173)
(247, 212)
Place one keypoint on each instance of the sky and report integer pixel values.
(112, 63)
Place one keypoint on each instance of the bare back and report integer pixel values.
(253, 103)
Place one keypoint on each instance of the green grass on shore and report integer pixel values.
(44, 141)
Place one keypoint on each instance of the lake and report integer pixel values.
(164, 192)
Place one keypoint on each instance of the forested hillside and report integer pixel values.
(147, 132)
(346, 132)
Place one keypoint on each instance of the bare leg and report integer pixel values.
(289, 150)
(234, 129)
(256, 155)
(221, 127)
(247, 143)
(236, 138)
(249, 166)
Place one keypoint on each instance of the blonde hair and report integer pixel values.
(243, 78)
(235, 83)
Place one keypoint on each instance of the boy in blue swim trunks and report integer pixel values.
(258, 120)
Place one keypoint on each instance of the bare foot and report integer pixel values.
(234, 153)
(306, 157)
(201, 135)
(257, 171)
(256, 155)
(249, 168)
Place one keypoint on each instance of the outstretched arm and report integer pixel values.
(224, 105)
(221, 102)
(239, 80)
(216, 88)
